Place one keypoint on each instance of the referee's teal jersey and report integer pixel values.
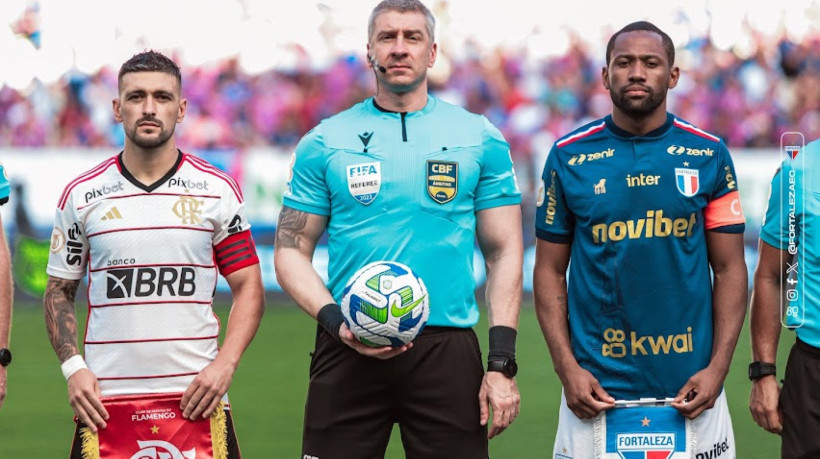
(792, 223)
(405, 187)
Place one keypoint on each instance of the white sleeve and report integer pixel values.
(232, 217)
(68, 255)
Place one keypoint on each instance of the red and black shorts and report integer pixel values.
(431, 391)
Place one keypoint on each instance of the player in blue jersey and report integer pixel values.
(5, 291)
(406, 177)
(643, 204)
(788, 259)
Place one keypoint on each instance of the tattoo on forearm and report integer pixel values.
(288, 231)
(61, 322)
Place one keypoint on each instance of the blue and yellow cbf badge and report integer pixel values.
(442, 180)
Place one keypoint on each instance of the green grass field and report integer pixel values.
(269, 389)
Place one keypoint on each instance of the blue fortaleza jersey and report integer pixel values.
(405, 187)
(635, 209)
(792, 223)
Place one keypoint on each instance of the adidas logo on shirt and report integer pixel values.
(112, 214)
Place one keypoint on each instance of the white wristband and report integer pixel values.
(73, 365)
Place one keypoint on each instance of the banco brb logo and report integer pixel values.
(158, 449)
(187, 208)
(142, 282)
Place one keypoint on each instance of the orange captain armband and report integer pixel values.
(724, 211)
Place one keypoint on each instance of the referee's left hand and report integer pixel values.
(206, 390)
(500, 393)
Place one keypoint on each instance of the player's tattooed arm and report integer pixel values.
(299, 230)
(61, 321)
(291, 223)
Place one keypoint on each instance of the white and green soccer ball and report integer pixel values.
(385, 304)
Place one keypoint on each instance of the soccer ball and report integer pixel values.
(385, 304)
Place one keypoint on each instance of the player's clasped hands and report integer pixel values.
(584, 394)
(382, 353)
(84, 396)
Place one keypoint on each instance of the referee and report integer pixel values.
(406, 177)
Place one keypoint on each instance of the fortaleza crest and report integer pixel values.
(644, 432)
(688, 181)
(442, 180)
(364, 181)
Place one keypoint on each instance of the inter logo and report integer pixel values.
(442, 180)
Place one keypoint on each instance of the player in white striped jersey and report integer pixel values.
(151, 227)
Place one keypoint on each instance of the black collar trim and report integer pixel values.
(384, 110)
(149, 188)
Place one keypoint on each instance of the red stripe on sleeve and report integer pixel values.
(235, 252)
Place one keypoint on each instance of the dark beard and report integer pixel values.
(640, 109)
(152, 143)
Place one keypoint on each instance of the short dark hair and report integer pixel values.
(402, 6)
(646, 26)
(150, 61)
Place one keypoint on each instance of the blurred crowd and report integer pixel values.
(749, 102)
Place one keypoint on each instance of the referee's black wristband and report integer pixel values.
(330, 318)
(502, 343)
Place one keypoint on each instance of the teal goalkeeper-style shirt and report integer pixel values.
(636, 210)
(792, 223)
(405, 187)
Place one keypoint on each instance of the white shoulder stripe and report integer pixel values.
(583, 133)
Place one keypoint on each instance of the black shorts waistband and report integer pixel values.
(436, 330)
(807, 348)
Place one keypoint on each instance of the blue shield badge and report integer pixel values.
(442, 180)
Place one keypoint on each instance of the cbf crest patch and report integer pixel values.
(442, 180)
(364, 181)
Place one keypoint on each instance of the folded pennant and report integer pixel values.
(152, 427)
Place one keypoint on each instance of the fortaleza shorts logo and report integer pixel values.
(442, 180)
(364, 181)
(659, 445)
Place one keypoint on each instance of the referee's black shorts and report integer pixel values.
(800, 403)
(431, 391)
(233, 444)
